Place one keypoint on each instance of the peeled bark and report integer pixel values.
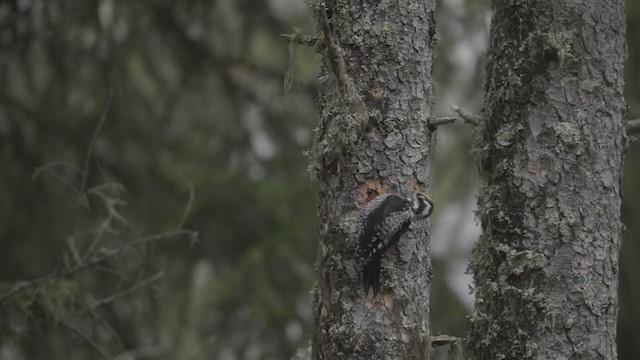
(375, 95)
(550, 148)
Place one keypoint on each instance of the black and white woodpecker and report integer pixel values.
(386, 218)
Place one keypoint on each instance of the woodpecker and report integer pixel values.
(386, 218)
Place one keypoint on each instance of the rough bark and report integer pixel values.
(550, 148)
(375, 96)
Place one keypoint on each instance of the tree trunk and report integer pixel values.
(550, 148)
(375, 95)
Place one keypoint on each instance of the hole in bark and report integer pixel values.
(377, 92)
(370, 189)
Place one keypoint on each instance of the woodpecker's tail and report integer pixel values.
(371, 276)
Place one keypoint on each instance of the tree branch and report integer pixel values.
(633, 126)
(187, 209)
(128, 291)
(19, 287)
(151, 352)
(442, 340)
(107, 326)
(92, 144)
(434, 122)
(466, 115)
(86, 338)
(48, 165)
(305, 40)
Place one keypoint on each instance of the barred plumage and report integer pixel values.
(386, 218)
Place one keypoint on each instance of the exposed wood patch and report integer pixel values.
(370, 189)
(387, 298)
(416, 186)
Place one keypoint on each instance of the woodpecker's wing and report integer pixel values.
(385, 222)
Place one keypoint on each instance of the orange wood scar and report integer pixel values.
(370, 189)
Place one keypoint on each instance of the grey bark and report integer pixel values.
(550, 148)
(375, 96)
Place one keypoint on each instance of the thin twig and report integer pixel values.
(110, 329)
(110, 271)
(105, 226)
(73, 249)
(87, 161)
(19, 287)
(94, 138)
(100, 319)
(467, 116)
(187, 209)
(90, 232)
(115, 186)
(633, 126)
(128, 291)
(150, 352)
(110, 205)
(59, 177)
(48, 165)
(305, 40)
(102, 229)
(112, 185)
(86, 338)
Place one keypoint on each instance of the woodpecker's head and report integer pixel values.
(422, 205)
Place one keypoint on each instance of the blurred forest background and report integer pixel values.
(198, 102)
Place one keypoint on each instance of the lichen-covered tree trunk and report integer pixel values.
(375, 96)
(550, 148)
